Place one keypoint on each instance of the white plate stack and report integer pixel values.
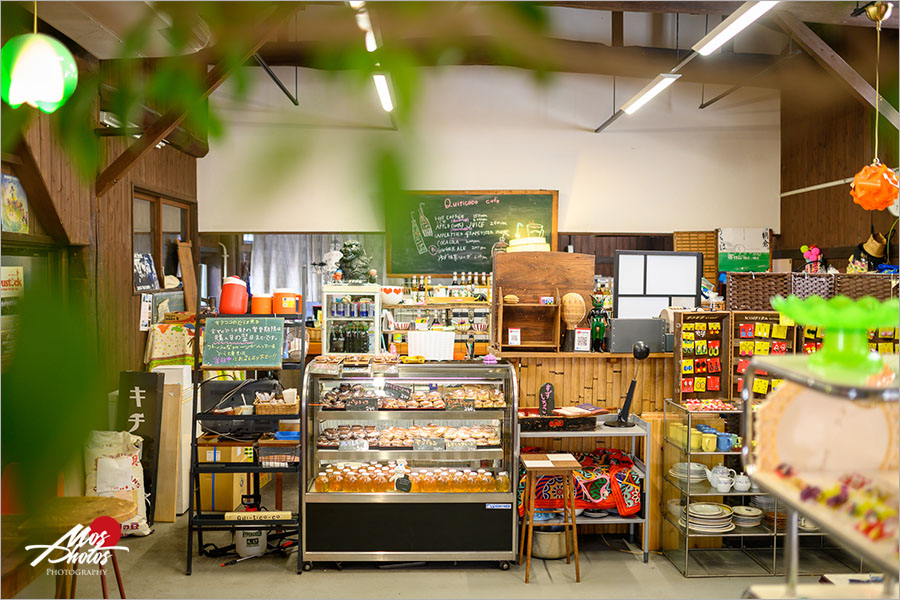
(708, 517)
(747, 516)
(692, 472)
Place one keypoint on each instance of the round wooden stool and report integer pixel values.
(60, 515)
(556, 465)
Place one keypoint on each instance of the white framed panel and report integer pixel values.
(646, 282)
(670, 274)
(630, 272)
(641, 307)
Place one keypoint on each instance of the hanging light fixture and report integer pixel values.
(876, 187)
(37, 70)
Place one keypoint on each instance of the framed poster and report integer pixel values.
(145, 278)
(744, 249)
(15, 205)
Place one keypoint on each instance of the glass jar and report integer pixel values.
(321, 482)
(429, 484)
(336, 481)
(457, 481)
(442, 485)
(472, 484)
(501, 483)
(415, 481)
(351, 482)
(380, 482)
(485, 481)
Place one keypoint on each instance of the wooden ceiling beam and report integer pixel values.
(836, 66)
(163, 126)
(39, 198)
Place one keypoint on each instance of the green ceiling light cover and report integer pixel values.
(37, 70)
(845, 347)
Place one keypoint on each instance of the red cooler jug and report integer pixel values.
(234, 297)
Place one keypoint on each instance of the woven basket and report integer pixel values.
(573, 309)
(752, 291)
(277, 409)
(804, 285)
(857, 285)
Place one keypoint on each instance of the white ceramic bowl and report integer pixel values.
(391, 295)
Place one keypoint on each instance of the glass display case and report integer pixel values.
(351, 319)
(410, 463)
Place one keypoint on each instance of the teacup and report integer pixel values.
(708, 442)
(724, 483)
(723, 443)
(742, 483)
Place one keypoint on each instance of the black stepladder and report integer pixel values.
(198, 521)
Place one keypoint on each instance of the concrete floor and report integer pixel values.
(154, 568)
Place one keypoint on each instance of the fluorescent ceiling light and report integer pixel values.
(356, 4)
(384, 93)
(733, 25)
(371, 42)
(653, 88)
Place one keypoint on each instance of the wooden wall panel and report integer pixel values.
(166, 172)
(71, 195)
(603, 247)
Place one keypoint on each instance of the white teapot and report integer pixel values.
(720, 470)
(742, 483)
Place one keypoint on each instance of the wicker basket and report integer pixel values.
(752, 291)
(268, 408)
(804, 285)
(857, 285)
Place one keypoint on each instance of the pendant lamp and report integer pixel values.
(37, 70)
(876, 187)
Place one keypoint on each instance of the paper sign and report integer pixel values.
(785, 321)
(760, 386)
(353, 445)
(699, 384)
(761, 348)
(809, 333)
(429, 444)
(779, 331)
(582, 340)
(146, 312)
(515, 336)
(361, 404)
(461, 445)
(397, 391)
(762, 329)
(531, 463)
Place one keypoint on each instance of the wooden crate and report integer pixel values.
(752, 319)
(686, 322)
(705, 242)
(538, 324)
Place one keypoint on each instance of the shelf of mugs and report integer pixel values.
(684, 450)
(703, 488)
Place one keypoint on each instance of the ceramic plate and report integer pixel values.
(730, 527)
(747, 511)
(708, 509)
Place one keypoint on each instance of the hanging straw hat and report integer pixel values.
(875, 245)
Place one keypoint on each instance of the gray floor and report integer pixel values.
(154, 568)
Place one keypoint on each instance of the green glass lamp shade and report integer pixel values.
(845, 347)
(37, 70)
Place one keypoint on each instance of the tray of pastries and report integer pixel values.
(417, 401)
(331, 359)
(481, 397)
(386, 358)
(331, 438)
(401, 438)
(357, 360)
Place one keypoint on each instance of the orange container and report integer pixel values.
(286, 302)
(261, 304)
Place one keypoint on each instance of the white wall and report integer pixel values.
(668, 167)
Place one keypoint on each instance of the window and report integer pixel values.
(157, 223)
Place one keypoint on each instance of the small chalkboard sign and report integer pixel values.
(429, 444)
(461, 445)
(546, 402)
(403, 484)
(460, 403)
(361, 404)
(140, 413)
(353, 445)
(397, 391)
(243, 342)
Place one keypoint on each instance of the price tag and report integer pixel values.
(403, 484)
(353, 445)
(783, 320)
(429, 444)
(461, 445)
(460, 404)
(397, 391)
(361, 404)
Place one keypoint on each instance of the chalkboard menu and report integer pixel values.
(243, 342)
(443, 232)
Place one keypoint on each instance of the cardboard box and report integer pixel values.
(222, 492)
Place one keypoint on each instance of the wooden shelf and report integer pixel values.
(590, 355)
(528, 305)
(542, 344)
(440, 305)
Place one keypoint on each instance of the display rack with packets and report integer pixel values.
(701, 357)
(758, 333)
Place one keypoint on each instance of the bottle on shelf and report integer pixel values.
(321, 482)
(502, 482)
(422, 289)
(454, 278)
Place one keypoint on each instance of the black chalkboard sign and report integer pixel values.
(462, 445)
(460, 403)
(429, 444)
(397, 391)
(243, 342)
(546, 401)
(443, 232)
(361, 404)
(139, 412)
(403, 484)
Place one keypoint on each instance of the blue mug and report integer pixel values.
(723, 442)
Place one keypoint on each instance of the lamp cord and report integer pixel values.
(877, 82)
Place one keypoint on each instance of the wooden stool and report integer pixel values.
(60, 515)
(558, 465)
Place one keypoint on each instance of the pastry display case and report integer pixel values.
(412, 463)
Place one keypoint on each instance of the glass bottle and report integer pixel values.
(457, 481)
(502, 482)
(379, 482)
(365, 482)
(471, 483)
(428, 485)
(338, 340)
(321, 482)
(485, 481)
(351, 482)
(454, 278)
(415, 481)
(336, 482)
(442, 482)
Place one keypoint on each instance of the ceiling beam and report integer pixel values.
(39, 198)
(163, 126)
(836, 66)
(617, 28)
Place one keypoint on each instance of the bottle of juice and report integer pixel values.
(485, 481)
(472, 484)
(321, 482)
(365, 482)
(379, 482)
(457, 481)
(428, 483)
(351, 482)
(502, 482)
(442, 483)
(336, 481)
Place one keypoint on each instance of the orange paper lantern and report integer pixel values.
(875, 187)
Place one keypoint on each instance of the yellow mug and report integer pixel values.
(683, 435)
(696, 439)
(708, 442)
(674, 431)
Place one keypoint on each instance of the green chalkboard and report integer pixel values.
(243, 342)
(441, 232)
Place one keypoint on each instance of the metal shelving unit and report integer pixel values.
(200, 521)
(835, 524)
(332, 292)
(640, 430)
